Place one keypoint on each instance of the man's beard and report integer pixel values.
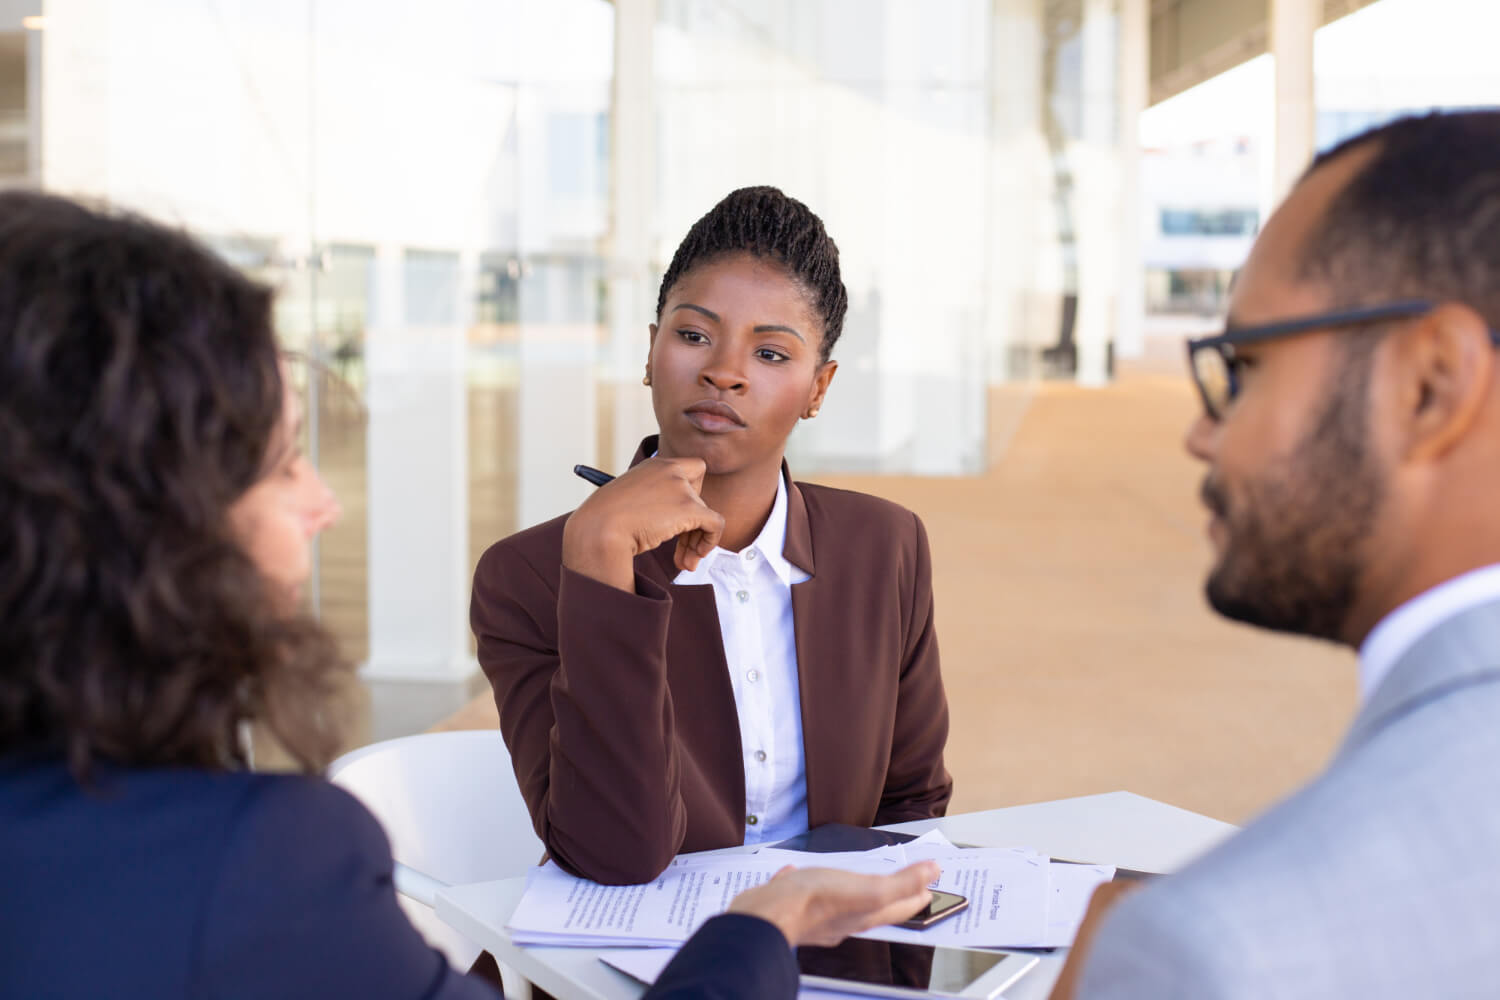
(1294, 553)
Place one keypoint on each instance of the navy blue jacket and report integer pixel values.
(184, 883)
(180, 883)
(731, 957)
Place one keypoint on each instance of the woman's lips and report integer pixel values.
(714, 417)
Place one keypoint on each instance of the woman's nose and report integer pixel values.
(322, 508)
(722, 377)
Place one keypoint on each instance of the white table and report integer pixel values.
(1117, 828)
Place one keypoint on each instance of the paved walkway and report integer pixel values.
(1078, 653)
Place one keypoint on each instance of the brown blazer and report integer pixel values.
(618, 708)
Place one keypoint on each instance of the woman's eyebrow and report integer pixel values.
(773, 327)
(698, 309)
(763, 328)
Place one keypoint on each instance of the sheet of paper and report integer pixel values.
(1072, 886)
(1017, 898)
(1008, 894)
(643, 964)
(560, 909)
(880, 861)
(921, 848)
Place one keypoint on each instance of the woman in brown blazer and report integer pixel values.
(706, 653)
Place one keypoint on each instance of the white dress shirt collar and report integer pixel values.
(768, 545)
(1389, 640)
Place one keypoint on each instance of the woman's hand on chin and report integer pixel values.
(655, 501)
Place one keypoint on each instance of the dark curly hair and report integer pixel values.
(768, 224)
(140, 390)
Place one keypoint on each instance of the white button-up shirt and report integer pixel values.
(1398, 631)
(753, 595)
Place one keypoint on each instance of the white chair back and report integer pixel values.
(451, 808)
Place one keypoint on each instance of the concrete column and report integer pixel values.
(75, 96)
(34, 78)
(557, 410)
(418, 495)
(628, 264)
(1097, 206)
(1292, 24)
(1134, 84)
(1018, 185)
(890, 399)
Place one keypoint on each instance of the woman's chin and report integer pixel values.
(721, 456)
(289, 595)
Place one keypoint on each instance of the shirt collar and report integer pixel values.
(767, 545)
(1398, 631)
(796, 525)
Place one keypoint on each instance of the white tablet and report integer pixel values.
(881, 968)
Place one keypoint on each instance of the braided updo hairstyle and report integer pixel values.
(764, 222)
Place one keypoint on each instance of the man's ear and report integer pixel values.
(1444, 365)
(820, 384)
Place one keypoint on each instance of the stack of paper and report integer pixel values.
(1017, 897)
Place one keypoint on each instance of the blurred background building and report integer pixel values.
(467, 206)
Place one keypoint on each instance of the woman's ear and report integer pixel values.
(819, 389)
(1443, 372)
(650, 345)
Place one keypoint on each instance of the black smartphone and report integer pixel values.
(943, 906)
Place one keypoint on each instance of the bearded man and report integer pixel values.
(1351, 433)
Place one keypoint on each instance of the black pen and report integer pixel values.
(592, 474)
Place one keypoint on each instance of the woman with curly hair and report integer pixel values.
(155, 515)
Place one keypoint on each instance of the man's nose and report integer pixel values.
(1202, 434)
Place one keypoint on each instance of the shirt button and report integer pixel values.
(753, 675)
(750, 555)
(752, 820)
(744, 596)
(760, 755)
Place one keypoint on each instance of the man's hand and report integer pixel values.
(822, 906)
(1104, 899)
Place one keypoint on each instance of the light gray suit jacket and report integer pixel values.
(1379, 879)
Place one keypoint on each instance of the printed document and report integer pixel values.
(1017, 897)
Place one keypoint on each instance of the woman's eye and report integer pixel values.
(692, 336)
(766, 354)
(1239, 364)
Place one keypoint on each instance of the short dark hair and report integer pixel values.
(771, 225)
(140, 389)
(1421, 219)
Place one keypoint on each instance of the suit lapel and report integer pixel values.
(698, 677)
(1462, 651)
(811, 600)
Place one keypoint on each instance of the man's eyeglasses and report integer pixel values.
(1216, 370)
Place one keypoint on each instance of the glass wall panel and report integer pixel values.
(876, 115)
(435, 190)
(425, 185)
